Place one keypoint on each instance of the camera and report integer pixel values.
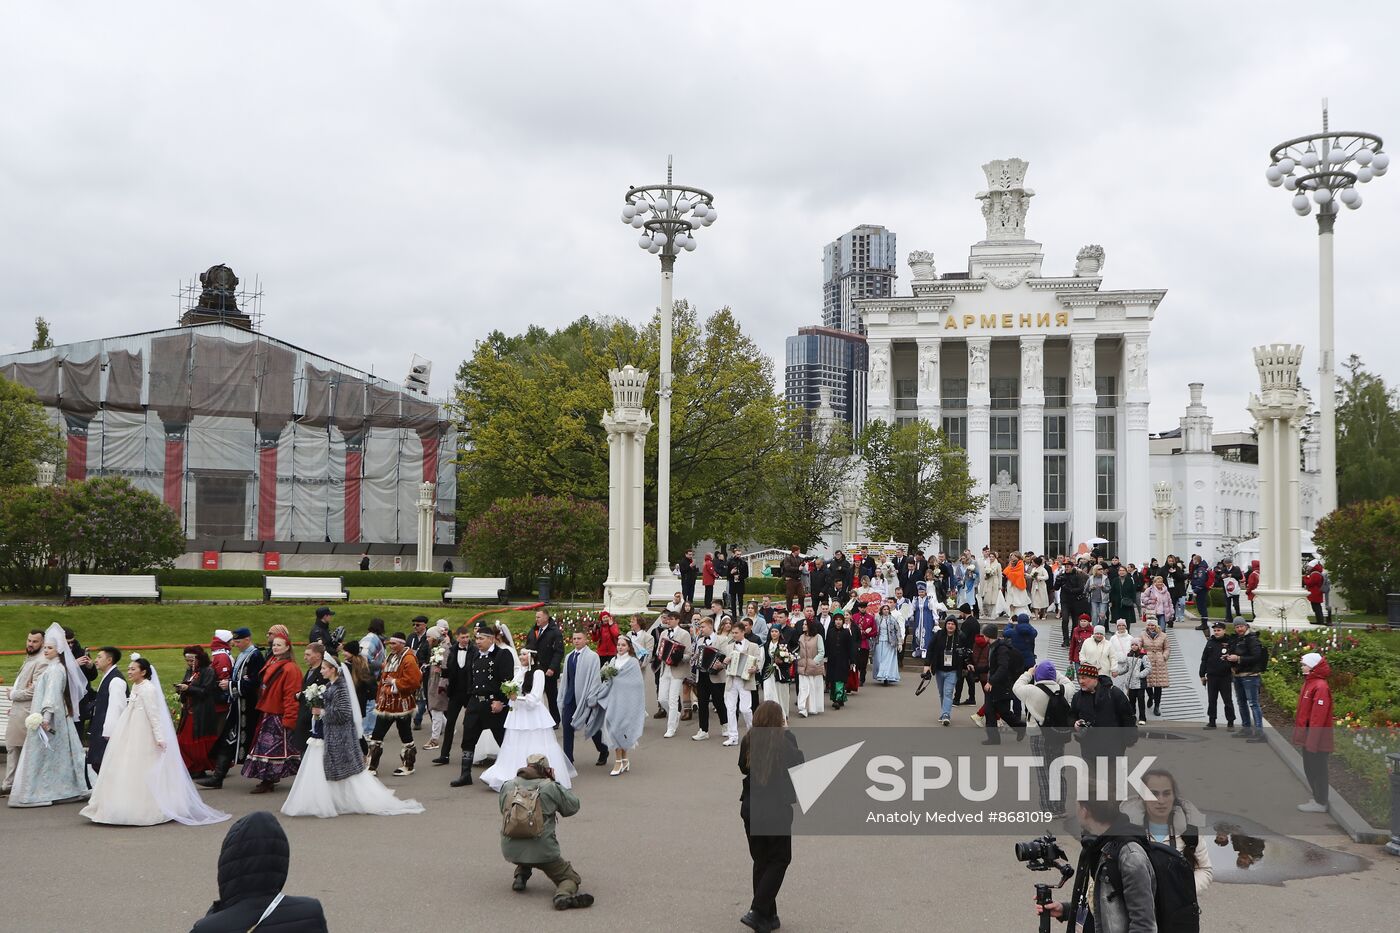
(1040, 854)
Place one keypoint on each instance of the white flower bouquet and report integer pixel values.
(608, 672)
(315, 696)
(33, 721)
(439, 655)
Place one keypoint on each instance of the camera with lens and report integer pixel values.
(1040, 854)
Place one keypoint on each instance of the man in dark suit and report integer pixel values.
(477, 687)
(312, 658)
(737, 572)
(111, 684)
(581, 673)
(418, 644)
(545, 642)
(456, 679)
(688, 572)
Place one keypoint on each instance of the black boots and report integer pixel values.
(407, 759)
(466, 777)
(375, 750)
(216, 780)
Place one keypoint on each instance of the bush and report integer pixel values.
(562, 538)
(1360, 546)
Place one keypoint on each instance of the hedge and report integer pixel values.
(246, 578)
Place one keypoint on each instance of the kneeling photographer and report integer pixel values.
(1114, 858)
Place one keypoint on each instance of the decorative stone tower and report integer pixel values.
(1196, 426)
(627, 425)
(1163, 508)
(1279, 411)
(426, 521)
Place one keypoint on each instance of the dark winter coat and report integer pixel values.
(962, 654)
(840, 570)
(1003, 667)
(343, 756)
(1213, 663)
(1022, 636)
(546, 646)
(252, 870)
(199, 701)
(1110, 723)
(840, 654)
(1251, 652)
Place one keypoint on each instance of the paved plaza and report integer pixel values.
(659, 847)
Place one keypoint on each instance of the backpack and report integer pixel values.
(1059, 718)
(1175, 903)
(523, 816)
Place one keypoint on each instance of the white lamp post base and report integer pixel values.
(1282, 609)
(625, 598)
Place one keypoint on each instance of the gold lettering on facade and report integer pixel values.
(1006, 321)
(989, 320)
(1061, 318)
(1042, 320)
(950, 322)
(969, 320)
(1024, 320)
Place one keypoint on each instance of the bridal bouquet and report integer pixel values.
(33, 721)
(510, 688)
(439, 655)
(608, 672)
(315, 696)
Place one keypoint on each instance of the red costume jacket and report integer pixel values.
(281, 681)
(1312, 725)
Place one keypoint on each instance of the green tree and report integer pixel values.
(558, 537)
(101, 525)
(42, 340)
(1368, 437)
(801, 499)
(27, 437)
(531, 410)
(1360, 546)
(917, 484)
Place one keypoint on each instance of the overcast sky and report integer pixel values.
(406, 177)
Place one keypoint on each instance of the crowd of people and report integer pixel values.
(841, 628)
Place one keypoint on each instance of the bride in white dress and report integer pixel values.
(529, 731)
(332, 779)
(143, 780)
(486, 747)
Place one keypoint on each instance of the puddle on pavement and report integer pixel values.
(1243, 852)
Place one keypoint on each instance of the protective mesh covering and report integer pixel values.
(246, 437)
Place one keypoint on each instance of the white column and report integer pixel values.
(1163, 508)
(426, 518)
(663, 431)
(627, 426)
(1083, 501)
(1326, 368)
(1032, 444)
(930, 381)
(979, 442)
(1133, 464)
(1279, 409)
(880, 386)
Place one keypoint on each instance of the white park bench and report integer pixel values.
(662, 591)
(4, 708)
(476, 588)
(112, 586)
(309, 588)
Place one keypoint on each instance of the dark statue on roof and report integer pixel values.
(220, 290)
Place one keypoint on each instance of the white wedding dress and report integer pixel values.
(140, 784)
(529, 731)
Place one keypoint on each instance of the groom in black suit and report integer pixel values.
(107, 659)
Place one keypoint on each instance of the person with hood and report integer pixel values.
(1159, 651)
(1251, 583)
(1215, 674)
(1034, 688)
(605, 635)
(1120, 640)
(253, 867)
(1313, 584)
(1247, 660)
(840, 659)
(1157, 602)
(1131, 678)
(1312, 729)
(1168, 818)
(1023, 635)
(1083, 631)
(1202, 578)
(1003, 667)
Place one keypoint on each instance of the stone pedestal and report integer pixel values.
(426, 507)
(1279, 410)
(627, 425)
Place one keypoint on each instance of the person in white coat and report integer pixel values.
(529, 731)
(1034, 688)
(740, 679)
(1098, 652)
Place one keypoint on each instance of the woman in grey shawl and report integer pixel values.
(621, 698)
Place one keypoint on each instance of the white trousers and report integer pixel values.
(11, 764)
(811, 693)
(778, 693)
(737, 699)
(438, 718)
(668, 694)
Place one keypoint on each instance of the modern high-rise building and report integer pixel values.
(858, 264)
(820, 357)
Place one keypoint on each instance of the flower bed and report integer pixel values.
(1365, 683)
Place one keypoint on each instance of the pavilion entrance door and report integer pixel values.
(1006, 537)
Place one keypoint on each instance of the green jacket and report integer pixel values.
(556, 801)
(1122, 591)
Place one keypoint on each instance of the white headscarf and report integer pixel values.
(77, 683)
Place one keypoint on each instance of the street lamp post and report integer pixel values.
(668, 217)
(1325, 168)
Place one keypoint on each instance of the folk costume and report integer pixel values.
(241, 719)
(200, 721)
(51, 767)
(274, 755)
(395, 703)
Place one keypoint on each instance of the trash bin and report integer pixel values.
(1392, 609)
(542, 584)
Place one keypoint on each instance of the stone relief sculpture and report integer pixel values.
(1137, 365)
(976, 367)
(928, 366)
(1005, 202)
(1005, 496)
(1032, 367)
(1083, 366)
(1089, 262)
(879, 377)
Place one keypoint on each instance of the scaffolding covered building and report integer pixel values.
(257, 444)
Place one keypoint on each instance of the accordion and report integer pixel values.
(671, 653)
(711, 661)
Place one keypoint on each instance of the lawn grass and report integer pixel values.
(210, 592)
